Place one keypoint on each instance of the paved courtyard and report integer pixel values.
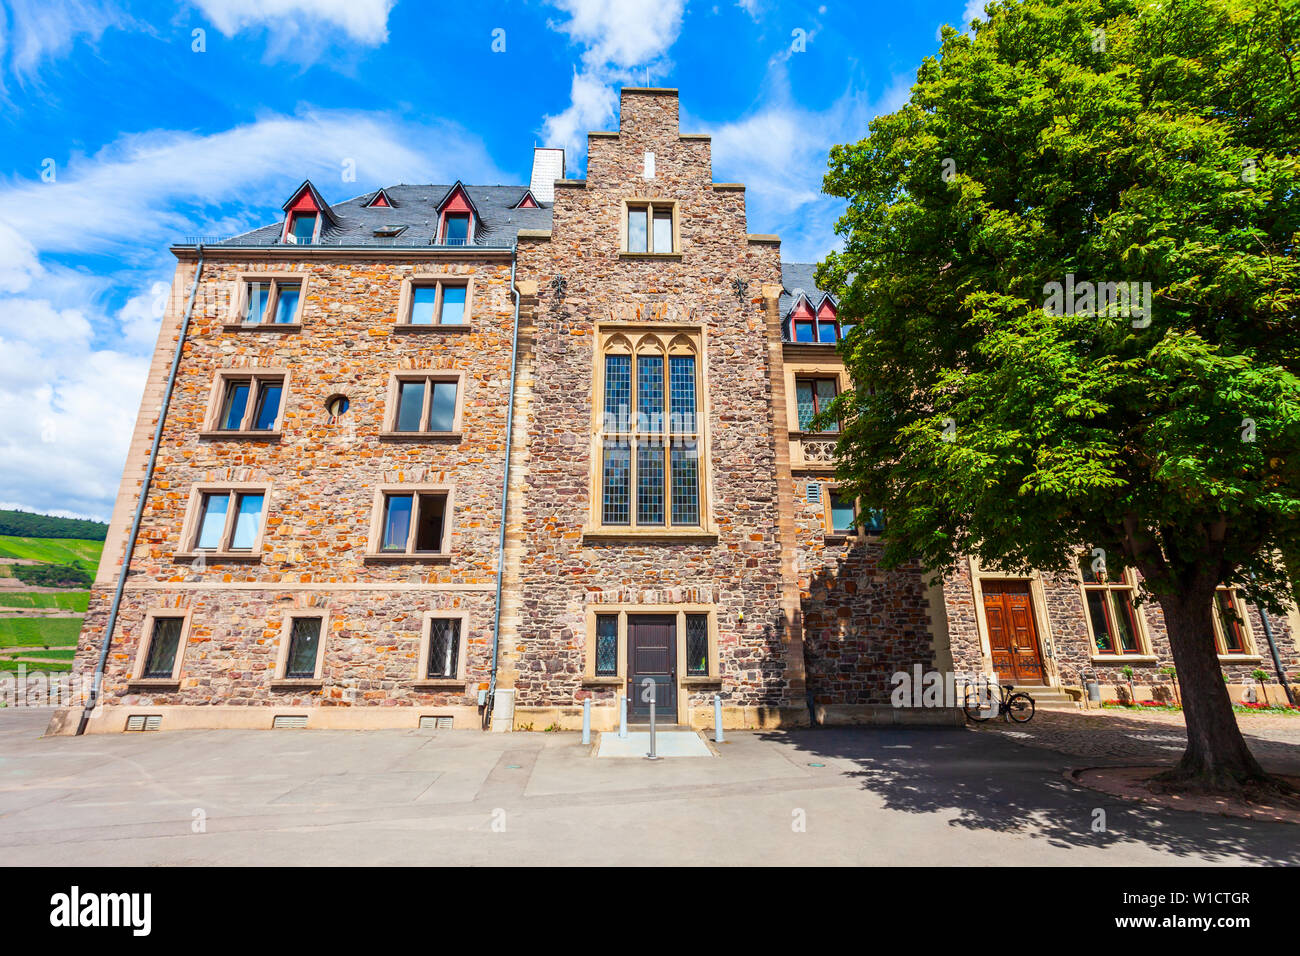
(846, 796)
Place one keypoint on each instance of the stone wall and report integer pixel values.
(323, 478)
(861, 623)
(563, 569)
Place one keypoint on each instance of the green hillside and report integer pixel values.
(52, 550)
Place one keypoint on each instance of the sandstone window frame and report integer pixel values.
(1127, 585)
(145, 645)
(796, 371)
(439, 280)
(217, 399)
(280, 678)
(834, 535)
(680, 611)
(649, 203)
(634, 340)
(389, 432)
(1249, 648)
(234, 321)
(190, 526)
(456, 681)
(374, 551)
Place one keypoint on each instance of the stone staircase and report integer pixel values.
(1049, 698)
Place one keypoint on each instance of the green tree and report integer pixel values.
(1092, 141)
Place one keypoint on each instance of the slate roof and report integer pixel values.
(797, 277)
(417, 209)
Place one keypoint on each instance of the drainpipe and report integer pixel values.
(1272, 647)
(139, 507)
(505, 487)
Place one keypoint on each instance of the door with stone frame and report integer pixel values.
(1013, 635)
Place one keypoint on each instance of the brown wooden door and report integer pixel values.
(652, 653)
(1013, 639)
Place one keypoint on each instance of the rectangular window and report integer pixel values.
(229, 520)
(444, 648)
(250, 404)
(813, 396)
(425, 405)
(650, 227)
(649, 444)
(453, 305)
(697, 645)
(164, 642)
(606, 645)
(272, 302)
(1112, 614)
(303, 227)
(826, 332)
(414, 523)
(304, 648)
(456, 229)
(616, 474)
(804, 331)
(1229, 622)
(844, 509)
(435, 302)
(637, 237)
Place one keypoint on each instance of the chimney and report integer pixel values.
(548, 166)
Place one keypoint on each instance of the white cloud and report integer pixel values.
(974, 8)
(619, 37)
(33, 32)
(133, 193)
(72, 365)
(364, 21)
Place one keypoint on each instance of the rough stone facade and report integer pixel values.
(322, 477)
(584, 279)
(803, 623)
(1069, 654)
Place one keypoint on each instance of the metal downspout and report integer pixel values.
(139, 507)
(505, 487)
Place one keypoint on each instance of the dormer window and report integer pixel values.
(459, 216)
(455, 229)
(306, 215)
(302, 227)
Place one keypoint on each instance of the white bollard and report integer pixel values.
(717, 718)
(586, 721)
(622, 716)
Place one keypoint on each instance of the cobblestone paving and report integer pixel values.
(1129, 736)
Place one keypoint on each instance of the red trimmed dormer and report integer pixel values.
(828, 326)
(305, 216)
(380, 198)
(457, 218)
(803, 325)
(528, 202)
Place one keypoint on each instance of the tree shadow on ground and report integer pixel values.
(993, 784)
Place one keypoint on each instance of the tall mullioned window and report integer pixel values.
(649, 443)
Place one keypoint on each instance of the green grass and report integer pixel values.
(8, 664)
(34, 632)
(52, 550)
(55, 653)
(69, 601)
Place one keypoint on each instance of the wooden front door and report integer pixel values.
(1013, 639)
(652, 653)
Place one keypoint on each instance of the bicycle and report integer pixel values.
(978, 703)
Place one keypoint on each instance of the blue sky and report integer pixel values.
(122, 130)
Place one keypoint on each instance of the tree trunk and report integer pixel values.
(1217, 757)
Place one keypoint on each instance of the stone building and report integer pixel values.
(436, 447)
